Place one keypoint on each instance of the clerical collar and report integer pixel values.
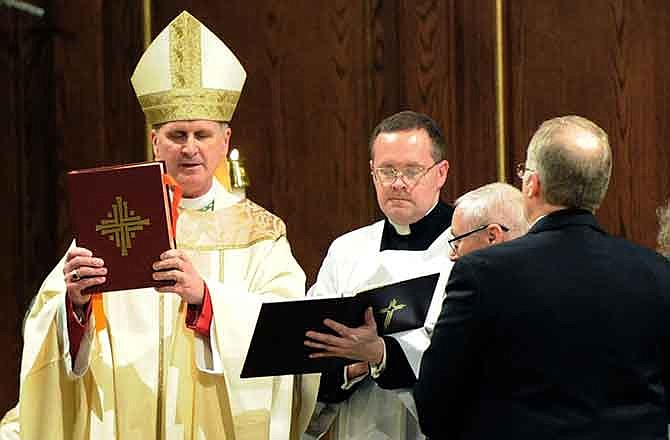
(421, 234)
(204, 202)
(405, 229)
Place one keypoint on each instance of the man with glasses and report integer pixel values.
(408, 169)
(563, 333)
(488, 215)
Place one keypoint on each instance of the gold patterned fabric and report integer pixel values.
(188, 73)
(189, 104)
(236, 227)
(185, 59)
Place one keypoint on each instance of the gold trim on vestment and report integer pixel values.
(221, 388)
(189, 104)
(111, 375)
(252, 425)
(236, 227)
(161, 370)
(295, 408)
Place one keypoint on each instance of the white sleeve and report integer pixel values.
(272, 275)
(326, 284)
(48, 308)
(415, 342)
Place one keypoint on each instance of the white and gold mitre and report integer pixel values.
(188, 73)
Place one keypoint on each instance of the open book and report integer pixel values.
(277, 344)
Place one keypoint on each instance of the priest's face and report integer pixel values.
(191, 150)
(406, 177)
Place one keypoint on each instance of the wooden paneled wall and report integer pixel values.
(69, 105)
(28, 178)
(321, 75)
(320, 79)
(605, 60)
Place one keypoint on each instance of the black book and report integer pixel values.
(277, 346)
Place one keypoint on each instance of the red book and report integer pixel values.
(122, 215)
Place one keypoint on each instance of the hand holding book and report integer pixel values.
(346, 329)
(82, 271)
(174, 265)
(122, 215)
(360, 343)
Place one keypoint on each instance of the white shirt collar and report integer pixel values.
(536, 220)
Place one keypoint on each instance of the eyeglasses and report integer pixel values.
(521, 170)
(453, 242)
(410, 175)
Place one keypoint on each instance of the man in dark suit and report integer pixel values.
(563, 333)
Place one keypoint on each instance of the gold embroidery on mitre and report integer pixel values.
(187, 95)
(121, 225)
(236, 227)
(189, 104)
(185, 53)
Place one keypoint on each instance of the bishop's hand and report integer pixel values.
(174, 265)
(359, 343)
(82, 270)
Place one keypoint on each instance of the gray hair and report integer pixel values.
(571, 176)
(663, 239)
(409, 120)
(495, 203)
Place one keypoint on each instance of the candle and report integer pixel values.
(238, 175)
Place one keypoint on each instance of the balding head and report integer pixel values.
(573, 159)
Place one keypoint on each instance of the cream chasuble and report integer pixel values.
(353, 264)
(146, 375)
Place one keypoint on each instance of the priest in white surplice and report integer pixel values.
(144, 364)
(370, 398)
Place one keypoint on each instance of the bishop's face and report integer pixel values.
(405, 199)
(191, 150)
